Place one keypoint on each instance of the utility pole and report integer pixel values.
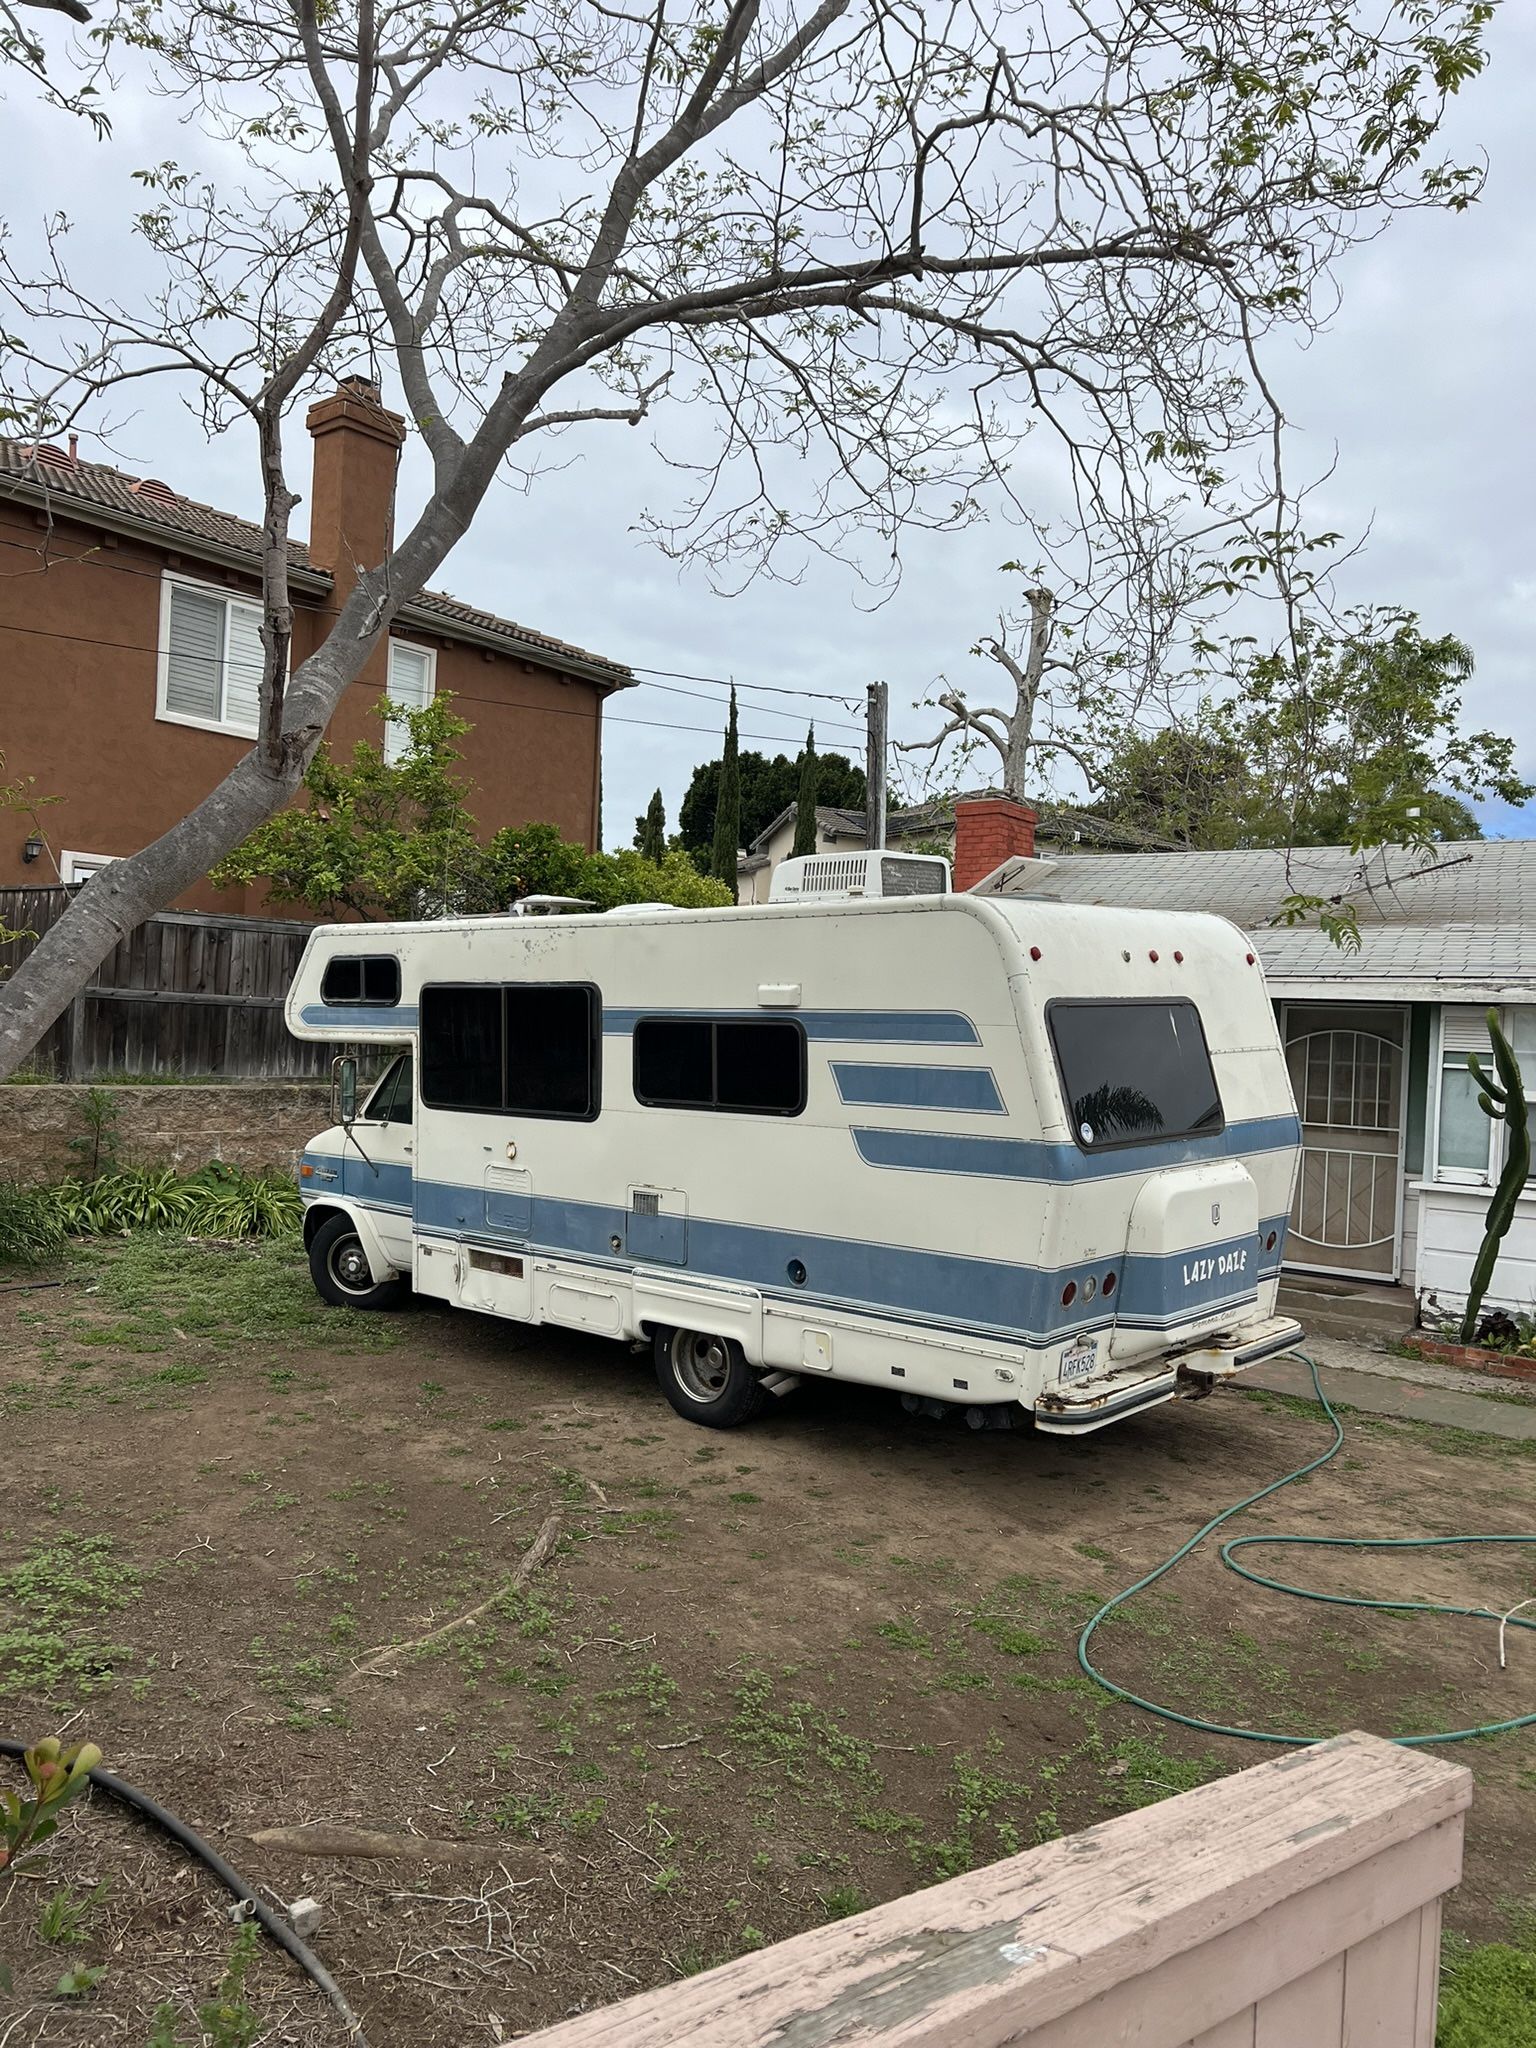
(875, 712)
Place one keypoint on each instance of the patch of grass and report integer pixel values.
(1487, 1995)
(797, 1739)
(904, 1636)
(66, 1914)
(48, 1603)
(1142, 1772)
(843, 1901)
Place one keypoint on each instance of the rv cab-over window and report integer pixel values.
(1134, 1073)
(372, 978)
(514, 1049)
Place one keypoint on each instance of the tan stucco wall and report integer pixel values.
(256, 1125)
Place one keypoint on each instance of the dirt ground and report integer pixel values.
(766, 1677)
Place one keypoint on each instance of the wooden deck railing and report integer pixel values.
(1294, 1905)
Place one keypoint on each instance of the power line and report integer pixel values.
(97, 557)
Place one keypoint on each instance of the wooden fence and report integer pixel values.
(1295, 1905)
(183, 995)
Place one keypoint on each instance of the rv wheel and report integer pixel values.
(338, 1265)
(707, 1379)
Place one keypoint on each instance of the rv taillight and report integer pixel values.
(1069, 1294)
(1109, 1283)
(1269, 1242)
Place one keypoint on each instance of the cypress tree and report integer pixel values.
(728, 807)
(805, 802)
(653, 830)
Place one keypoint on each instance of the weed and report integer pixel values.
(905, 1637)
(79, 1980)
(745, 1500)
(66, 1913)
(842, 1901)
(31, 1227)
(667, 1880)
(59, 1588)
(229, 2020)
(1147, 1773)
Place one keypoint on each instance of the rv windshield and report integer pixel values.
(1134, 1073)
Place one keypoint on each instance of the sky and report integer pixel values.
(1418, 392)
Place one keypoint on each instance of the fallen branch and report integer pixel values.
(329, 1838)
(537, 1553)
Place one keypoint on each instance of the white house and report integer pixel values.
(1398, 1160)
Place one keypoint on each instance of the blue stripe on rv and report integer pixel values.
(345, 1018)
(873, 1027)
(940, 1289)
(955, 1152)
(897, 1087)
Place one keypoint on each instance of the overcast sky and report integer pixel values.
(1422, 384)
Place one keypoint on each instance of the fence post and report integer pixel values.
(74, 1041)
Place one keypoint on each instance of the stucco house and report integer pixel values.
(129, 655)
(1398, 1160)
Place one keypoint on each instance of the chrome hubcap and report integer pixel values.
(349, 1266)
(702, 1365)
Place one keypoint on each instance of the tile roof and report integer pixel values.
(1458, 919)
(43, 473)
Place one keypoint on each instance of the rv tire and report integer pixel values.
(707, 1378)
(338, 1265)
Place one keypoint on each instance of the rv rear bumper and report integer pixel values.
(1186, 1375)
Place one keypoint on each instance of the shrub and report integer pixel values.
(218, 1201)
(31, 1226)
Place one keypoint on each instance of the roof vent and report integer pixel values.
(157, 493)
(46, 456)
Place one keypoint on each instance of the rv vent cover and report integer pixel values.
(645, 1202)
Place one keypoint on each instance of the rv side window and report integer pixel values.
(752, 1065)
(523, 1049)
(553, 1035)
(373, 978)
(1134, 1073)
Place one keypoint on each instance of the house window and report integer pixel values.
(371, 978)
(79, 867)
(412, 684)
(523, 1049)
(754, 1066)
(1469, 1146)
(210, 659)
(1134, 1073)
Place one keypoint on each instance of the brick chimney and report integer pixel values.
(988, 831)
(352, 494)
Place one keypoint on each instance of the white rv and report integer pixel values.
(1029, 1160)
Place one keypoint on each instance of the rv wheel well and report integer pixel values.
(317, 1213)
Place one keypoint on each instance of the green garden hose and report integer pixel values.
(1256, 1578)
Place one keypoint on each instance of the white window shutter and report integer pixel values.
(194, 654)
(242, 689)
(412, 676)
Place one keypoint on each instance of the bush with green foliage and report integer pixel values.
(218, 1201)
(31, 1228)
(396, 839)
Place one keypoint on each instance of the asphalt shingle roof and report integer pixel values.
(46, 474)
(1458, 920)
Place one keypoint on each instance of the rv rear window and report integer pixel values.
(372, 978)
(1134, 1073)
(750, 1065)
(518, 1049)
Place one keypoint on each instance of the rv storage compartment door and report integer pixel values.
(509, 1200)
(1191, 1256)
(656, 1226)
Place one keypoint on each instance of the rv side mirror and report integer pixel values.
(344, 1088)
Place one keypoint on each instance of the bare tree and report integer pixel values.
(1103, 647)
(880, 243)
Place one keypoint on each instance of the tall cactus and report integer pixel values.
(1504, 1101)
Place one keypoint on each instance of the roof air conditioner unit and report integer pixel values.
(844, 877)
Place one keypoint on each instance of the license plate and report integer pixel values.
(1079, 1360)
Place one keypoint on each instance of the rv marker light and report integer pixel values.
(1152, 955)
(1034, 952)
(1069, 1294)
